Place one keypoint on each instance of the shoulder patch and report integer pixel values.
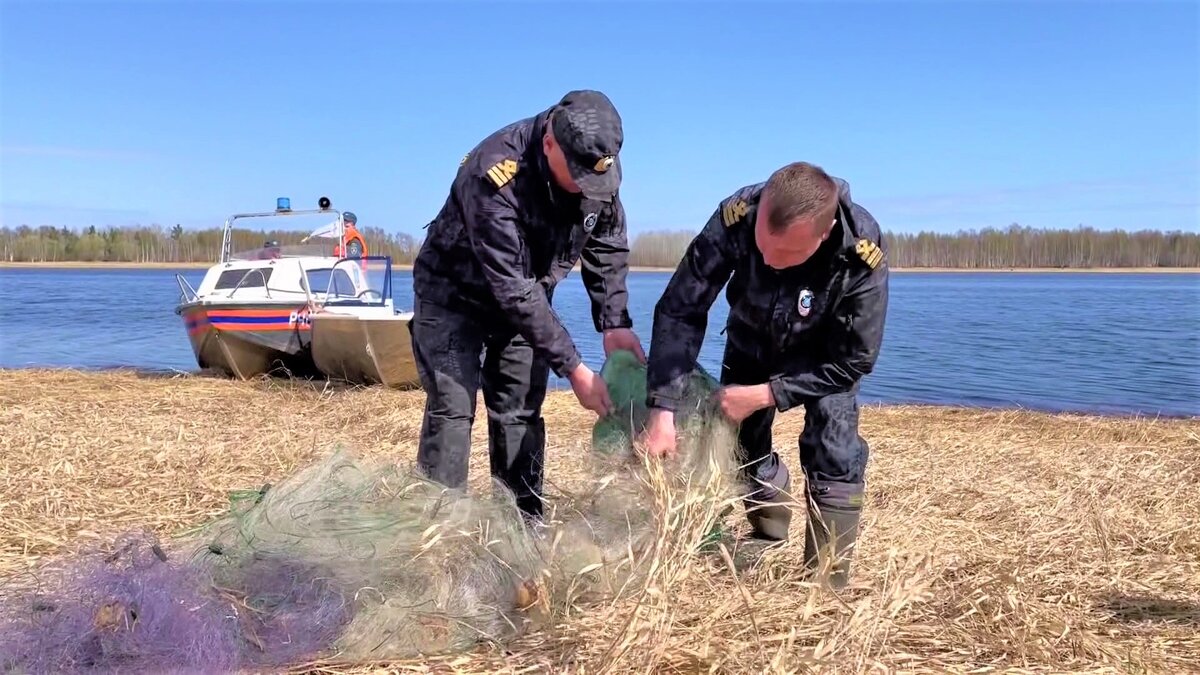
(870, 252)
(464, 159)
(503, 171)
(733, 210)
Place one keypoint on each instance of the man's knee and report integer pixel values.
(515, 381)
(517, 409)
(755, 445)
(755, 454)
(831, 447)
(450, 401)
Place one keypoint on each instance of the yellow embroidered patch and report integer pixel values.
(870, 252)
(502, 172)
(733, 211)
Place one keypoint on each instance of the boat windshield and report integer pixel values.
(314, 249)
(354, 281)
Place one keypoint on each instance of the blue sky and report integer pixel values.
(941, 115)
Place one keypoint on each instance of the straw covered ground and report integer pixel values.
(992, 541)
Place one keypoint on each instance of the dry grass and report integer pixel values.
(992, 541)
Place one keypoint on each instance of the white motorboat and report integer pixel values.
(298, 310)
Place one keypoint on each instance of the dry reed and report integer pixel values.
(992, 540)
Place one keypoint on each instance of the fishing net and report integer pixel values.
(346, 562)
(374, 563)
(130, 609)
(607, 539)
(704, 433)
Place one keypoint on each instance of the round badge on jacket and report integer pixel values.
(805, 303)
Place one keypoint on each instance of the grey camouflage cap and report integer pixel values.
(588, 128)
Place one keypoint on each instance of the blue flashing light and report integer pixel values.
(283, 204)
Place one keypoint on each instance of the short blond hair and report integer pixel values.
(799, 190)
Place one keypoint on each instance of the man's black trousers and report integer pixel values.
(456, 353)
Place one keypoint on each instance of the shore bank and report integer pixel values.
(185, 266)
(991, 539)
(398, 267)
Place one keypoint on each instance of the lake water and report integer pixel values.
(1109, 343)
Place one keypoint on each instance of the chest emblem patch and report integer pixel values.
(805, 303)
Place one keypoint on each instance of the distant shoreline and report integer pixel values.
(899, 270)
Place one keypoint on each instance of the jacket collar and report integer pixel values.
(533, 146)
(845, 223)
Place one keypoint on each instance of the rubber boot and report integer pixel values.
(833, 514)
(768, 508)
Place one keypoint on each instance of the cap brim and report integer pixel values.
(598, 186)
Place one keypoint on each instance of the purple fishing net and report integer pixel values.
(130, 610)
(291, 610)
(135, 609)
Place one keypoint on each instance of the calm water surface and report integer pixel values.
(1114, 343)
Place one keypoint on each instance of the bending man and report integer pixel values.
(528, 202)
(807, 302)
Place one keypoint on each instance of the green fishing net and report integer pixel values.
(371, 563)
(625, 376)
(605, 531)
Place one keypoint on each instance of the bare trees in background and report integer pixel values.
(1013, 247)
(156, 244)
(658, 249)
(1018, 246)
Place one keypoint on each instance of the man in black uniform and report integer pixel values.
(528, 203)
(807, 299)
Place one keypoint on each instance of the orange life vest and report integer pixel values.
(350, 237)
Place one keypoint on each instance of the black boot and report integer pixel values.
(833, 514)
(768, 508)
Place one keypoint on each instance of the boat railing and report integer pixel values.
(304, 286)
(245, 276)
(283, 208)
(186, 292)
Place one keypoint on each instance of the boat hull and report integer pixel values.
(247, 341)
(364, 349)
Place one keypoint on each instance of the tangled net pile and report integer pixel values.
(346, 563)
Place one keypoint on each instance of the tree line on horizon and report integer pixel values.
(994, 248)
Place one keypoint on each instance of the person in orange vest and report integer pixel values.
(353, 245)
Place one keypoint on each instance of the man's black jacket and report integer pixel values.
(508, 234)
(815, 329)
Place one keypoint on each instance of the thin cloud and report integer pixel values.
(1129, 193)
(16, 213)
(73, 152)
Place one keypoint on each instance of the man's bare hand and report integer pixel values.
(591, 390)
(623, 338)
(740, 401)
(658, 440)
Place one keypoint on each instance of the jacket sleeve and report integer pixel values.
(604, 266)
(681, 314)
(493, 229)
(854, 345)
